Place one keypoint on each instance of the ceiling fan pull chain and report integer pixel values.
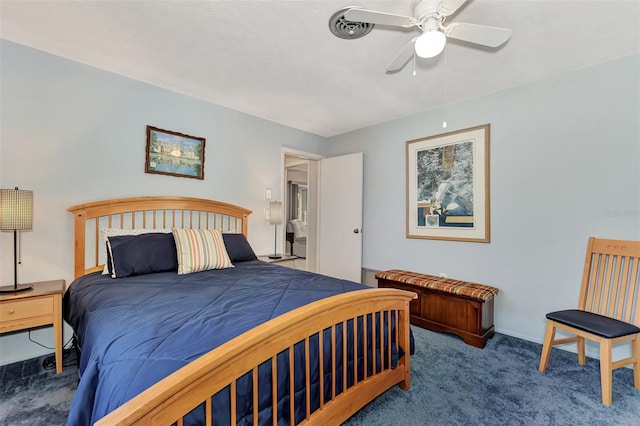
(414, 63)
(444, 107)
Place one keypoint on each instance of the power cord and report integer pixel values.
(49, 362)
(68, 359)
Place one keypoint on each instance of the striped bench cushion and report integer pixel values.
(447, 285)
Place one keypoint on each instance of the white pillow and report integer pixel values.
(295, 224)
(303, 230)
(299, 228)
(117, 232)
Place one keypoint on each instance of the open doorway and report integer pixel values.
(300, 189)
(297, 192)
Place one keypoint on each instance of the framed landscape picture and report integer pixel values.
(174, 154)
(448, 186)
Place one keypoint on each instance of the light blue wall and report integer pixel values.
(565, 165)
(73, 134)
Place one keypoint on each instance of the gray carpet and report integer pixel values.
(33, 396)
(456, 384)
(451, 384)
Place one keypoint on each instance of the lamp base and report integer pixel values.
(275, 256)
(16, 288)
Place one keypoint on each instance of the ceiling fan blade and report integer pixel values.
(402, 57)
(449, 7)
(381, 18)
(478, 34)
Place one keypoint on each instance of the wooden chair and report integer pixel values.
(608, 310)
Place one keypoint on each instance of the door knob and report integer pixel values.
(356, 231)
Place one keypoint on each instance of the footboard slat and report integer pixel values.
(255, 396)
(307, 371)
(343, 339)
(292, 406)
(389, 337)
(373, 345)
(333, 362)
(365, 346)
(208, 411)
(355, 351)
(171, 399)
(321, 366)
(381, 337)
(233, 403)
(274, 385)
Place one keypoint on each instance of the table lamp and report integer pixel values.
(275, 218)
(16, 214)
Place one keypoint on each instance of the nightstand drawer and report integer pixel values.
(20, 309)
(39, 306)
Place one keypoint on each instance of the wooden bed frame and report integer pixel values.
(169, 400)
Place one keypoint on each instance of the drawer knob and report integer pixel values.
(12, 311)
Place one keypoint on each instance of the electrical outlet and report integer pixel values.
(267, 194)
(267, 214)
(443, 275)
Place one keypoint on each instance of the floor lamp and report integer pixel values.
(16, 214)
(275, 218)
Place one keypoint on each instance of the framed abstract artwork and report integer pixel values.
(174, 154)
(448, 186)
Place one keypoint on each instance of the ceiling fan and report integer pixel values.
(428, 17)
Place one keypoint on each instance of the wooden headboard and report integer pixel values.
(147, 213)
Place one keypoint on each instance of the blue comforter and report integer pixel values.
(137, 330)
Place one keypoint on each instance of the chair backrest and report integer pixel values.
(610, 282)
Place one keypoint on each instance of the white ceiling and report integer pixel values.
(278, 60)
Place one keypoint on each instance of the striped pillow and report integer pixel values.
(200, 250)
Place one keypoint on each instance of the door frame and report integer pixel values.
(312, 264)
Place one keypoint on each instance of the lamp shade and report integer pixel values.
(430, 44)
(275, 213)
(16, 209)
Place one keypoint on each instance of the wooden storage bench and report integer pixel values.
(444, 304)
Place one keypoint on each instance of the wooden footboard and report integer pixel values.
(367, 314)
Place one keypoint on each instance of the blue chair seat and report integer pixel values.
(593, 323)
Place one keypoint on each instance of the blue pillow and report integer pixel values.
(238, 248)
(142, 254)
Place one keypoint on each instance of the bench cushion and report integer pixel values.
(447, 285)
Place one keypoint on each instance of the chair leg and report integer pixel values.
(606, 371)
(635, 351)
(582, 357)
(546, 346)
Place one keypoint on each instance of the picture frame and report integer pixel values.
(174, 154)
(448, 186)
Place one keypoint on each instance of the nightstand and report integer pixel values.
(35, 308)
(285, 260)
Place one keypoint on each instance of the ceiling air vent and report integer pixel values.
(342, 28)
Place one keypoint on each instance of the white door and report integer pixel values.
(340, 219)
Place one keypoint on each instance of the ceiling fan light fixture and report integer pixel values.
(430, 44)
